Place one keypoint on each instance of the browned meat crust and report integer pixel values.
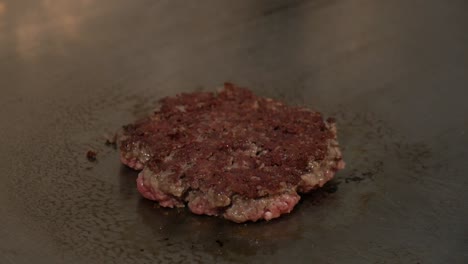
(232, 153)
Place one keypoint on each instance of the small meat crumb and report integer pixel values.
(111, 140)
(219, 242)
(91, 155)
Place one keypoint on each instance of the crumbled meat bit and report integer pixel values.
(219, 242)
(91, 155)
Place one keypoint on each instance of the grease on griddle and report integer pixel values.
(317, 196)
(331, 187)
(354, 179)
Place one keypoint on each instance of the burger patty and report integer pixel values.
(231, 154)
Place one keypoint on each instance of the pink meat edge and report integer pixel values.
(278, 206)
(131, 162)
(155, 195)
(201, 206)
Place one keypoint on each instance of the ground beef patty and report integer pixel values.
(231, 154)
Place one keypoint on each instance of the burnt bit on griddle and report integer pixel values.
(358, 176)
(91, 155)
(219, 242)
(111, 140)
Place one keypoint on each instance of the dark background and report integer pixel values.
(393, 73)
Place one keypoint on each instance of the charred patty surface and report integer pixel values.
(231, 153)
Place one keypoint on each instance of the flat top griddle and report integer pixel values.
(393, 73)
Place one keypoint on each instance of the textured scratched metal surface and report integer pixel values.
(394, 73)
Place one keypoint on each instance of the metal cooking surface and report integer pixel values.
(394, 73)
